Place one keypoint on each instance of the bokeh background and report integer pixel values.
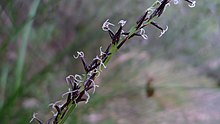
(38, 41)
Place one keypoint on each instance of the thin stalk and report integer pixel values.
(3, 82)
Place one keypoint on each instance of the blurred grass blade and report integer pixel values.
(23, 47)
(3, 81)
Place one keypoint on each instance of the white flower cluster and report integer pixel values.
(106, 25)
(191, 5)
(77, 79)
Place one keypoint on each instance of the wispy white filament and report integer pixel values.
(101, 62)
(69, 77)
(34, 116)
(106, 24)
(97, 72)
(53, 104)
(164, 31)
(122, 22)
(193, 4)
(101, 52)
(54, 114)
(79, 54)
(150, 10)
(142, 33)
(88, 97)
(94, 85)
(69, 91)
(78, 78)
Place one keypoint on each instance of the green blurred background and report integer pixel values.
(39, 38)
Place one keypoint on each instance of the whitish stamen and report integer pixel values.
(94, 85)
(163, 32)
(69, 91)
(79, 54)
(142, 33)
(88, 97)
(122, 22)
(193, 4)
(34, 116)
(106, 24)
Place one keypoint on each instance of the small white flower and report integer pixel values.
(142, 33)
(122, 31)
(145, 36)
(88, 97)
(53, 104)
(163, 32)
(67, 79)
(97, 72)
(150, 10)
(34, 116)
(79, 54)
(122, 22)
(168, 4)
(193, 4)
(101, 52)
(106, 24)
(101, 62)
(78, 78)
(94, 85)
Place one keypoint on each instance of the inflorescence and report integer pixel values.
(80, 85)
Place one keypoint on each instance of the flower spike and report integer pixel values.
(80, 85)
